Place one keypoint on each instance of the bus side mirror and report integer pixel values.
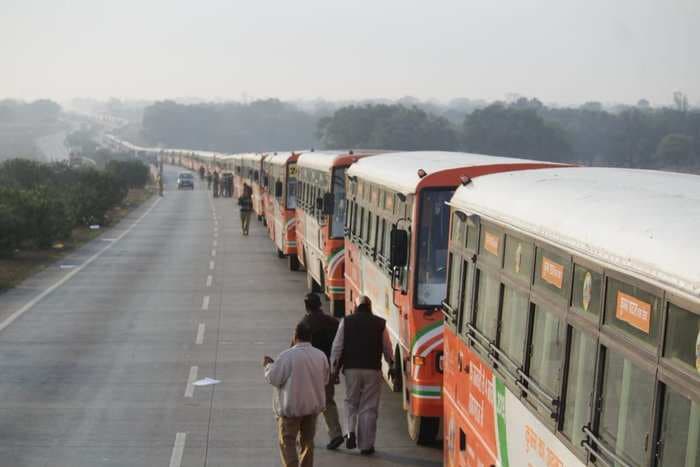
(328, 204)
(278, 189)
(398, 255)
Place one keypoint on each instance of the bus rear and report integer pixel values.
(282, 221)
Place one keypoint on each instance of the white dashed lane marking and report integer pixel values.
(209, 279)
(205, 302)
(211, 265)
(200, 334)
(189, 390)
(178, 449)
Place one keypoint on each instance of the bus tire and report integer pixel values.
(422, 430)
(338, 308)
(293, 262)
(279, 253)
(397, 382)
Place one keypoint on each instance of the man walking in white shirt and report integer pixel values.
(299, 377)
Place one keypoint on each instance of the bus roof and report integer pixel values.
(252, 156)
(281, 157)
(399, 170)
(326, 160)
(641, 222)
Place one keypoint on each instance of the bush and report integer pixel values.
(133, 173)
(41, 203)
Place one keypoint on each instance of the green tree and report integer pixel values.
(675, 150)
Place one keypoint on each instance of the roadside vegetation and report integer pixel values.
(46, 209)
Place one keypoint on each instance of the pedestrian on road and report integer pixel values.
(323, 329)
(201, 172)
(216, 183)
(299, 376)
(245, 202)
(209, 180)
(358, 346)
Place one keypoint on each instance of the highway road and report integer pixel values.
(98, 352)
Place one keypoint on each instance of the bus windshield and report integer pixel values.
(431, 270)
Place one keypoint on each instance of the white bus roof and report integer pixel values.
(399, 170)
(252, 156)
(281, 157)
(320, 160)
(642, 222)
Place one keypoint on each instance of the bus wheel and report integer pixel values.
(397, 382)
(338, 308)
(293, 262)
(422, 430)
(279, 253)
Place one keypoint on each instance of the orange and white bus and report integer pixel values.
(281, 202)
(251, 170)
(320, 226)
(396, 253)
(573, 320)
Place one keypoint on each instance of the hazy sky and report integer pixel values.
(567, 51)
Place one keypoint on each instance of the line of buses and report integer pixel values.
(542, 314)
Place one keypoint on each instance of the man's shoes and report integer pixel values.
(367, 452)
(350, 442)
(335, 442)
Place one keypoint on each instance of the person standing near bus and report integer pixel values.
(323, 329)
(299, 377)
(216, 183)
(209, 179)
(358, 346)
(245, 202)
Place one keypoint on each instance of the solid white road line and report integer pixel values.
(200, 334)
(189, 390)
(213, 252)
(211, 265)
(178, 449)
(10, 319)
(209, 279)
(205, 303)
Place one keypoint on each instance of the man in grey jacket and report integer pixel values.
(299, 377)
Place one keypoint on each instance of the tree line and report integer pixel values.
(632, 137)
(629, 136)
(41, 203)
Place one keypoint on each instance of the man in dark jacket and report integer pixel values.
(323, 329)
(246, 204)
(358, 346)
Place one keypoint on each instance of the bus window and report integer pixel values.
(579, 388)
(454, 283)
(381, 227)
(519, 257)
(627, 400)
(433, 230)
(387, 240)
(547, 350)
(487, 298)
(586, 295)
(458, 230)
(683, 337)
(513, 329)
(467, 287)
(339, 203)
(372, 231)
(632, 310)
(291, 193)
(680, 431)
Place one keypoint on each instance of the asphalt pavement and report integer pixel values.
(99, 351)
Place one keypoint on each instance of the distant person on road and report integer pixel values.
(209, 179)
(245, 202)
(216, 183)
(159, 180)
(299, 376)
(201, 172)
(323, 328)
(358, 346)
